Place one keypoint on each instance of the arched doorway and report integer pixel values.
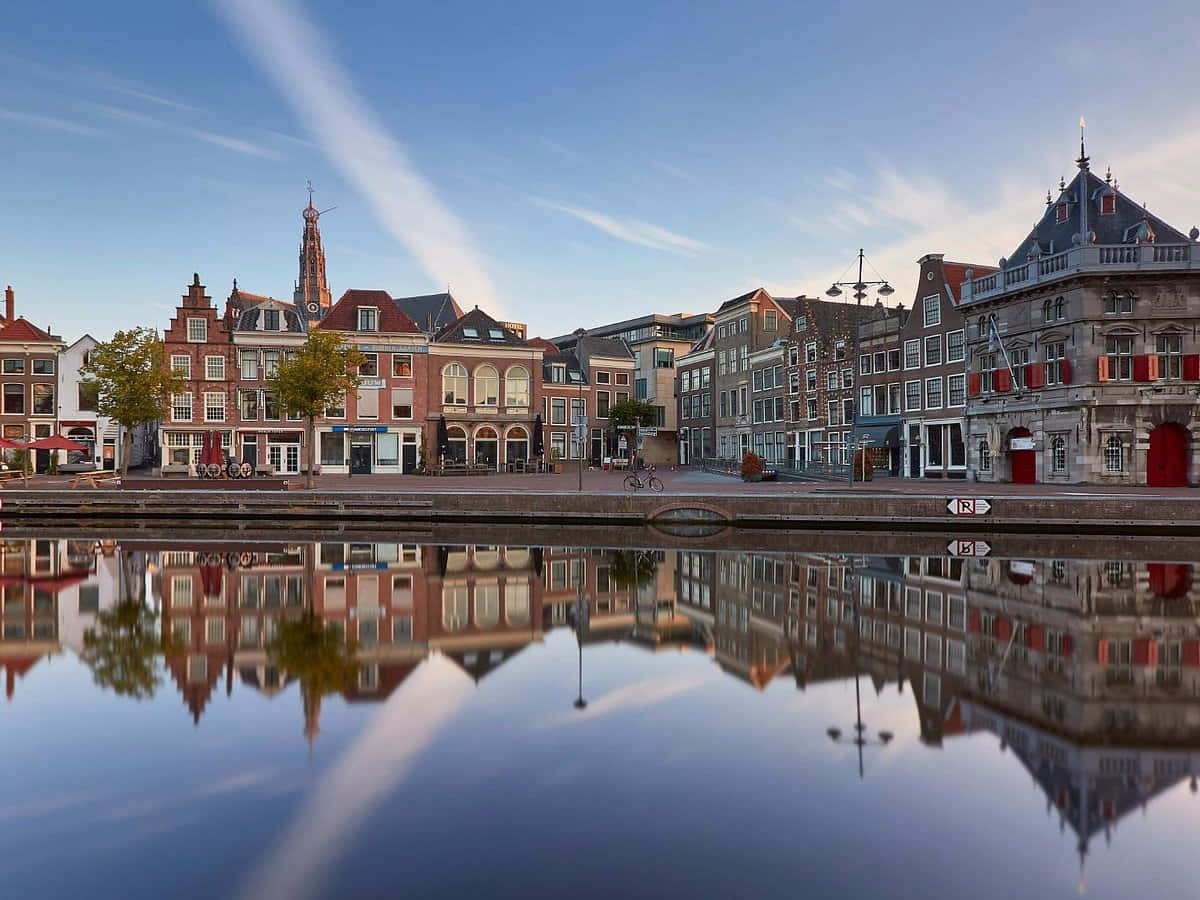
(516, 445)
(1021, 456)
(86, 438)
(1167, 461)
(487, 447)
(456, 443)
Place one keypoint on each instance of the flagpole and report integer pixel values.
(995, 332)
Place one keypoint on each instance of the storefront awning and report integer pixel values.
(880, 435)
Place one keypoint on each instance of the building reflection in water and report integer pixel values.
(1086, 671)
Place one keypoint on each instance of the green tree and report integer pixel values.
(631, 568)
(319, 659)
(122, 649)
(633, 412)
(132, 381)
(316, 376)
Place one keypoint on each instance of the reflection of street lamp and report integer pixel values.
(859, 740)
(581, 613)
(579, 426)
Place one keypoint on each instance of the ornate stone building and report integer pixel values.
(1084, 365)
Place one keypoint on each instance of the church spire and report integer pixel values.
(312, 297)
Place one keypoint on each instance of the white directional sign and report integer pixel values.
(964, 547)
(968, 506)
(648, 432)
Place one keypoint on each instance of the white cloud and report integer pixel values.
(632, 231)
(673, 171)
(840, 179)
(220, 140)
(296, 56)
(54, 124)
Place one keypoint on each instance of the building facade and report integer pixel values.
(1084, 366)
(696, 392)
(29, 360)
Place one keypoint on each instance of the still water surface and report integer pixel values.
(374, 720)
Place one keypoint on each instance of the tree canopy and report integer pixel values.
(131, 380)
(632, 412)
(316, 376)
(122, 648)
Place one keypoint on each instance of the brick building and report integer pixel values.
(382, 425)
(28, 380)
(483, 380)
(198, 345)
(696, 392)
(566, 397)
(1083, 359)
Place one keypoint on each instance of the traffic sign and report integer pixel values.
(964, 547)
(968, 506)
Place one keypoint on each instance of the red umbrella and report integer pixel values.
(55, 442)
(205, 447)
(6, 444)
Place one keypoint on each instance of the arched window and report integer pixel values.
(1058, 455)
(981, 326)
(1046, 315)
(487, 605)
(516, 387)
(487, 386)
(454, 385)
(454, 607)
(516, 602)
(985, 455)
(1114, 455)
(1060, 308)
(456, 442)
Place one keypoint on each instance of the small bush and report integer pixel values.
(752, 466)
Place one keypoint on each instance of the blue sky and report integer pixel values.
(560, 164)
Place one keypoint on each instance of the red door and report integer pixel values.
(1167, 462)
(1024, 463)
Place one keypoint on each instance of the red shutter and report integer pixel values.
(1068, 644)
(1191, 367)
(1141, 368)
(1035, 637)
(972, 384)
(1035, 376)
(1002, 380)
(1066, 371)
(1141, 652)
(973, 620)
(1003, 629)
(1102, 652)
(1191, 653)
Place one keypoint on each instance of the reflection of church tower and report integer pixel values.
(312, 296)
(312, 712)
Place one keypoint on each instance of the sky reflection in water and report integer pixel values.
(1043, 713)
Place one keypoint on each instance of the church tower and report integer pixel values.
(312, 296)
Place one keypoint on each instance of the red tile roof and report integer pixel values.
(543, 343)
(343, 315)
(956, 274)
(23, 330)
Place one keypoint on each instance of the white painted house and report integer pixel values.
(78, 421)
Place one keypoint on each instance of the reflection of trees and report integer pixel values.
(319, 658)
(122, 648)
(631, 568)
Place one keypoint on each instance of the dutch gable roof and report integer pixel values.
(343, 315)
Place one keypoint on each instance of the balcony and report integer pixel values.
(1097, 259)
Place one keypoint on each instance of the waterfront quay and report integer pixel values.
(691, 502)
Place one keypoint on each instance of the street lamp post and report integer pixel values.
(581, 617)
(860, 286)
(579, 425)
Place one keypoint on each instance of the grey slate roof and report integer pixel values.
(1050, 236)
(567, 358)
(291, 321)
(601, 346)
(431, 312)
(487, 331)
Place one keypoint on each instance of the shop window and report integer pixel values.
(387, 448)
(333, 449)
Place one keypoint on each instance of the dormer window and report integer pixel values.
(368, 318)
(1108, 204)
(271, 320)
(576, 377)
(471, 334)
(1061, 212)
(496, 334)
(558, 373)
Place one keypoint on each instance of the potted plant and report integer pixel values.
(556, 460)
(864, 469)
(752, 467)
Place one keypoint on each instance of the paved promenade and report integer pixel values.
(680, 481)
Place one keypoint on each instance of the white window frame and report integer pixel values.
(931, 310)
(214, 368)
(197, 330)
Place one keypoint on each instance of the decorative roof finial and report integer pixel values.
(308, 182)
(1082, 162)
(1049, 200)
(1062, 183)
(1108, 175)
(235, 285)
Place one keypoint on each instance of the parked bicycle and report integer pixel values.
(633, 483)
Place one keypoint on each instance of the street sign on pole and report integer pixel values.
(968, 506)
(970, 548)
(648, 432)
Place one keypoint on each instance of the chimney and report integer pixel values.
(8, 304)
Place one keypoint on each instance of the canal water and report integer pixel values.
(185, 718)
